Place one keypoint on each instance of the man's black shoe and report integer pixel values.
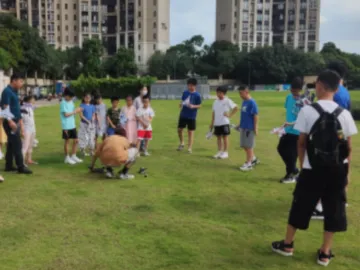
(13, 169)
(25, 170)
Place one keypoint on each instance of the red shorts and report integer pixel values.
(144, 134)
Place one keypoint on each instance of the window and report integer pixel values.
(154, 36)
(154, 47)
(66, 27)
(235, 25)
(235, 14)
(58, 28)
(74, 6)
(139, 13)
(244, 37)
(139, 25)
(245, 26)
(59, 39)
(75, 38)
(139, 37)
(139, 2)
(66, 6)
(75, 17)
(58, 17)
(155, 13)
(58, 6)
(139, 47)
(66, 17)
(235, 37)
(222, 27)
(155, 25)
(155, 2)
(67, 38)
(75, 28)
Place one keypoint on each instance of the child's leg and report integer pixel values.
(30, 149)
(138, 144)
(226, 143)
(181, 136)
(66, 147)
(219, 143)
(146, 145)
(26, 144)
(190, 138)
(249, 155)
(74, 147)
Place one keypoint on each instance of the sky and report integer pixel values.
(340, 22)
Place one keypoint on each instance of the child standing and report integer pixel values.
(101, 123)
(113, 116)
(67, 115)
(130, 113)
(248, 128)
(27, 114)
(287, 147)
(223, 109)
(87, 129)
(324, 147)
(144, 117)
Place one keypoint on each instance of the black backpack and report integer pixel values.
(326, 145)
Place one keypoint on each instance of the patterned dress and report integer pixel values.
(131, 125)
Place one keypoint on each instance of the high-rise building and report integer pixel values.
(141, 25)
(256, 23)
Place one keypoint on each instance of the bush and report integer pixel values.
(355, 110)
(108, 88)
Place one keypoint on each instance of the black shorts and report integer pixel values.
(327, 186)
(187, 122)
(70, 134)
(222, 130)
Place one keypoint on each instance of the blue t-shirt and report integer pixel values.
(67, 123)
(194, 99)
(10, 98)
(342, 97)
(88, 111)
(249, 109)
(292, 110)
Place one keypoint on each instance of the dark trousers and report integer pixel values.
(287, 149)
(14, 148)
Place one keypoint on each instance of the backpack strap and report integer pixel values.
(338, 111)
(318, 108)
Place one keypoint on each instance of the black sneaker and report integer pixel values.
(317, 215)
(324, 259)
(25, 170)
(283, 249)
(12, 169)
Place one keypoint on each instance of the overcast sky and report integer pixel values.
(340, 21)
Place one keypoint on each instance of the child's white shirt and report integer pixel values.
(29, 120)
(145, 114)
(220, 107)
(308, 116)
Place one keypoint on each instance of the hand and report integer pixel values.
(287, 124)
(211, 126)
(226, 114)
(78, 110)
(191, 106)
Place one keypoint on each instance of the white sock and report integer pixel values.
(254, 158)
(73, 156)
(319, 207)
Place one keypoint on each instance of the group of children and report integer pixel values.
(99, 122)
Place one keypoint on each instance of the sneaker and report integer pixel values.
(126, 176)
(317, 215)
(25, 170)
(109, 174)
(1, 179)
(11, 169)
(246, 167)
(283, 249)
(217, 155)
(288, 179)
(224, 155)
(190, 151)
(68, 160)
(146, 154)
(255, 161)
(180, 148)
(76, 159)
(324, 259)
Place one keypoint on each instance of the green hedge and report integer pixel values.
(108, 88)
(355, 110)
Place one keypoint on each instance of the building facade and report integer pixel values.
(257, 23)
(141, 25)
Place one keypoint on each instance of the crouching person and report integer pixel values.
(115, 152)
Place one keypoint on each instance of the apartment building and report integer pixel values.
(257, 23)
(142, 25)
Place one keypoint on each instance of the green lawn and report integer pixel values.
(192, 212)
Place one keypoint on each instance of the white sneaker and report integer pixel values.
(224, 155)
(126, 176)
(109, 175)
(69, 160)
(146, 154)
(218, 155)
(76, 159)
(246, 167)
(190, 151)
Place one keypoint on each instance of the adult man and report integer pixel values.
(14, 127)
(191, 102)
(115, 151)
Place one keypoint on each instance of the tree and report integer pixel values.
(157, 66)
(10, 41)
(92, 52)
(73, 63)
(121, 64)
(5, 59)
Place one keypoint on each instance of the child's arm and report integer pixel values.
(256, 121)
(233, 111)
(110, 122)
(212, 120)
(82, 117)
(68, 114)
(302, 148)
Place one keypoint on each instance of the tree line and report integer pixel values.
(22, 49)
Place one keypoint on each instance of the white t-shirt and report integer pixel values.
(219, 108)
(308, 116)
(138, 102)
(145, 114)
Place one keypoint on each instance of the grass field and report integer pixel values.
(192, 212)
